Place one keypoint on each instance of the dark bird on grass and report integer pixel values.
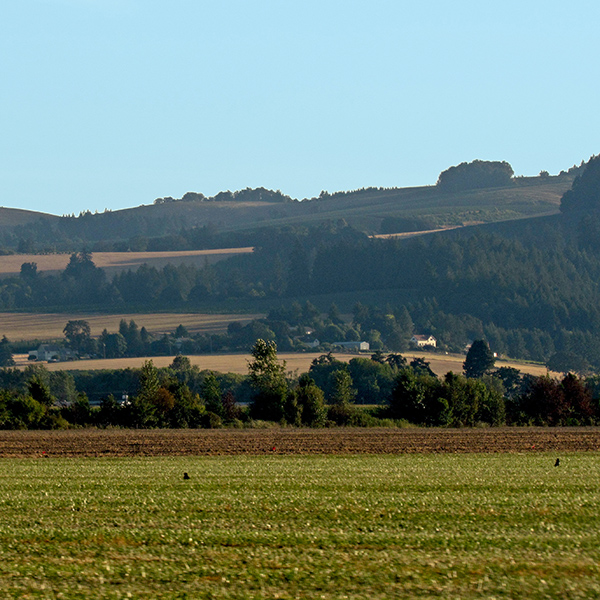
(186, 476)
(557, 463)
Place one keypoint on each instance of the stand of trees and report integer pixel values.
(332, 393)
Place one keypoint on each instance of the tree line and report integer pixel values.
(383, 390)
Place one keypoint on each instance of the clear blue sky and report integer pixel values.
(113, 103)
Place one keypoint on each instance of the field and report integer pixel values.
(284, 526)
(298, 362)
(113, 262)
(49, 326)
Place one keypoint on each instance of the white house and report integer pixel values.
(422, 341)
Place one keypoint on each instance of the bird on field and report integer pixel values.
(186, 476)
(557, 463)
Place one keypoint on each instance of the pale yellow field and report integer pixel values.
(300, 362)
(113, 262)
(25, 326)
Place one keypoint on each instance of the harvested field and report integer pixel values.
(30, 326)
(238, 363)
(113, 262)
(186, 442)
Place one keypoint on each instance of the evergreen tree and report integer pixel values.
(480, 359)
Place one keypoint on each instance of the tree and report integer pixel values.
(476, 174)
(480, 359)
(78, 334)
(267, 378)
(211, 394)
(144, 405)
(310, 402)
(585, 191)
(6, 357)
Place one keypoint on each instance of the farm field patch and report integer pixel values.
(387, 526)
(49, 326)
(295, 362)
(113, 262)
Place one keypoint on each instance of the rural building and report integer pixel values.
(422, 341)
(51, 353)
(361, 346)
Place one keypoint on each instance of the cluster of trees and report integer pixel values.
(331, 393)
(477, 174)
(246, 195)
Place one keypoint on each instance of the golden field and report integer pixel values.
(29, 326)
(113, 262)
(295, 362)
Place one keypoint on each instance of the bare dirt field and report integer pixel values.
(113, 262)
(299, 361)
(188, 442)
(29, 326)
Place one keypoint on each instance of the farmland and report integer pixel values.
(49, 326)
(369, 526)
(113, 262)
(295, 362)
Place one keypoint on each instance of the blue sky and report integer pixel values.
(113, 103)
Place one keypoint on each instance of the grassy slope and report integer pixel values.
(12, 217)
(365, 210)
(454, 526)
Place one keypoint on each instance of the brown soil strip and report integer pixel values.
(94, 443)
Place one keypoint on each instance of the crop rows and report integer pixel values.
(82, 443)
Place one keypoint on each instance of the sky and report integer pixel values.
(108, 104)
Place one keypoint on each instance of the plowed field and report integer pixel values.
(94, 443)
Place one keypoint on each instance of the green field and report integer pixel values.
(451, 526)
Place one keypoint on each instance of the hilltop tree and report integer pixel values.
(475, 175)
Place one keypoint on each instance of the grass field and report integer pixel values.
(49, 326)
(113, 262)
(419, 526)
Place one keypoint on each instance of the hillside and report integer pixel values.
(238, 218)
(14, 217)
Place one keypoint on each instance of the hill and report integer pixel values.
(14, 217)
(230, 220)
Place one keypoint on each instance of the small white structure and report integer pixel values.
(361, 346)
(51, 353)
(423, 341)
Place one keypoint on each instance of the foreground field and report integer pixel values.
(452, 526)
(276, 440)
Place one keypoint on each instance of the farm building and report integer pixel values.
(422, 341)
(51, 353)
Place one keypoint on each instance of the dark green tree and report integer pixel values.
(267, 378)
(78, 334)
(6, 355)
(480, 359)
